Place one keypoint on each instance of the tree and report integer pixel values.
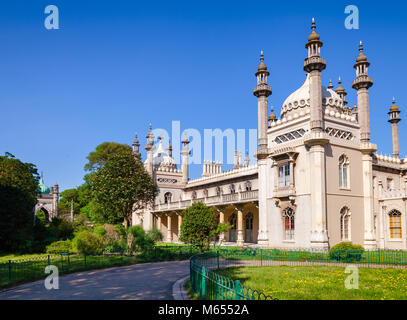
(18, 196)
(199, 226)
(67, 196)
(104, 152)
(121, 186)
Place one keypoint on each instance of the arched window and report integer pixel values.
(232, 231)
(194, 195)
(289, 225)
(249, 227)
(343, 171)
(205, 192)
(345, 224)
(248, 186)
(167, 197)
(218, 191)
(395, 224)
(232, 188)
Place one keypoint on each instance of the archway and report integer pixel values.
(249, 227)
(232, 231)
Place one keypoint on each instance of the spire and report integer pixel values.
(169, 148)
(136, 147)
(330, 86)
(394, 119)
(247, 159)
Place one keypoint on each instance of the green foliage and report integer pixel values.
(100, 230)
(40, 216)
(89, 243)
(139, 240)
(103, 153)
(61, 229)
(57, 247)
(155, 234)
(18, 192)
(199, 226)
(346, 252)
(121, 186)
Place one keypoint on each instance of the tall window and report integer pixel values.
(218, 191)
(194, 195)
(284, 176)
(167, 197)
(343, 172)
(395, 224)
(289, 224)
(390, 184)
(345, 224)
(232, 188)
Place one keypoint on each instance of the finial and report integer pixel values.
(261, 56)
(360, 46)
(394, 100)
(313, 27)
(151, 127)
(330, 86)
(340, 80)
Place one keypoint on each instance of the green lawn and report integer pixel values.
(7, 257)
(321, 282)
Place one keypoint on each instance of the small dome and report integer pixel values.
(43, 188)
(361, 57)
(262, 67)
(394, 108)
(272, 116)
(313, 36)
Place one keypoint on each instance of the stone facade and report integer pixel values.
(317, 181)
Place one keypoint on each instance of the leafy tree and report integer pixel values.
(139, 240)
(89, 243)
(66, 197)
(18, 196)
(103, 153)
(121, 186)
(199, 226)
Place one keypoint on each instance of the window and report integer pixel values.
(289, 224)
(343, 172)
(395, 224)
(167, 197)
(248, 186)
(232, 188)
(390, 184)
(218, 191)
(194, 195)
(284, 176)
(345, 224)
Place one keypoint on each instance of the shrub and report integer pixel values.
(138, 240)
(346, 252)
(89, 243)
(60, 247)
(155, 234)
(100, 230)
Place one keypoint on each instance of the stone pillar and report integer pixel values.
(55, 197)
(382, 222)
(179, 224)
(315, 100)
(263, 236)
(319, 233)
(185, 156)
(159, 222)
(240, 231)
(368, 204)
(221, 211)
(395, 139)
(169, 228)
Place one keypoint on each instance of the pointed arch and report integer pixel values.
(344, 171)
(345, 223)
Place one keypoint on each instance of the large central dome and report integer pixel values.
(300, 100)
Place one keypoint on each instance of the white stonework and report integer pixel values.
(313, 164)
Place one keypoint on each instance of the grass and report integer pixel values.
(6, 257)
(190, 292)
(321, 282)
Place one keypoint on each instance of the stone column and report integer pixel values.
(262, 238)
(159, 222)
(179, 224)
(240, 231)
(382, 222)
(395, 139)
(221, 211)
(169, 227)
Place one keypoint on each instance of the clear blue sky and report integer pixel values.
(115, 66)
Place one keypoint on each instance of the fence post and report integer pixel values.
(203, 291)
(9, 270)
(49, 260)
(237, 290)
(261, 257)
(84, 257)
(218, 258)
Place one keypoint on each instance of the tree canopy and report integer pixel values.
(103, 152)
(121, 186)
(18, 196)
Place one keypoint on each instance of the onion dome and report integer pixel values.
(313, 36)
(361, 57)
(340, 89)
(262, 66)
(42, 188)
(394, 107)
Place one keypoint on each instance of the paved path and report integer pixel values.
(147, 281)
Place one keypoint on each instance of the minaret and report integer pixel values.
(136, 148)
(314, 65)
(149, 148)
(362, 85)
(316, 141)
(341, 92)
(247, 159)
(55, 198)
(185, 155)
(394, 120)
(262, 91)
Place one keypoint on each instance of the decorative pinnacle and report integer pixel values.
(261, 56)
(360, 46)
(313, 27)
(394, 100)
(339, 81)
(330, 86)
